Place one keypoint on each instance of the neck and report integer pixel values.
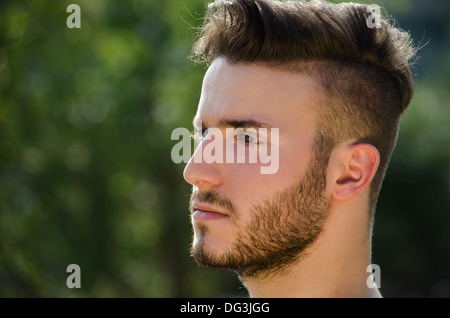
(334, 266)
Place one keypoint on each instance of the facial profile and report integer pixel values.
(267, 233)
(334, 87)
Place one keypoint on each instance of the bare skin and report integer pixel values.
(335, 264)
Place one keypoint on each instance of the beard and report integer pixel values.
(279, 232)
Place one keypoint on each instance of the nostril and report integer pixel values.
(202, 175)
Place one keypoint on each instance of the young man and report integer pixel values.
(334, 80)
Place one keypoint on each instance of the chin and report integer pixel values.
(209, 250)
(210, 243)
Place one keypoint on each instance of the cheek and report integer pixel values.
(293, 164)
(244, 180)
(295, 155)
(246, 186)
(247, 181)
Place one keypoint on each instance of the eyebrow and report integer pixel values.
(235, 123)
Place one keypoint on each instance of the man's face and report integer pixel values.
(244, 220)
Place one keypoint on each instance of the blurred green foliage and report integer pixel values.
(85, 170)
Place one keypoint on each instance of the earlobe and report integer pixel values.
(359, 164)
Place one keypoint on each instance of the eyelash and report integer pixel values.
(246, 137)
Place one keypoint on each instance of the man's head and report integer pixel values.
(330, 83)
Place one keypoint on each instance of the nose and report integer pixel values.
(200, 173)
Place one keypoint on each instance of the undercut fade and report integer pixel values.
(365, 72)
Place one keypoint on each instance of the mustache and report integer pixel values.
(214, 198)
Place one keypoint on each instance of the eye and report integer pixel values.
(204, 132)
(196, 134)
(246, 138)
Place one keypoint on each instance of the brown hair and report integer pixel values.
(364, 71)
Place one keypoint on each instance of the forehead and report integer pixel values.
(248, 91)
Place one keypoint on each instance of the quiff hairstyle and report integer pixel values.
(364, 71)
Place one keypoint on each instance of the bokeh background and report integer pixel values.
(86, 175)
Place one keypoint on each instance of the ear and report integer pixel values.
(354, 170)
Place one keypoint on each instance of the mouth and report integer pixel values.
(205, 212)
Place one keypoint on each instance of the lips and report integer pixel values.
(206, 207)
(204, 211)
